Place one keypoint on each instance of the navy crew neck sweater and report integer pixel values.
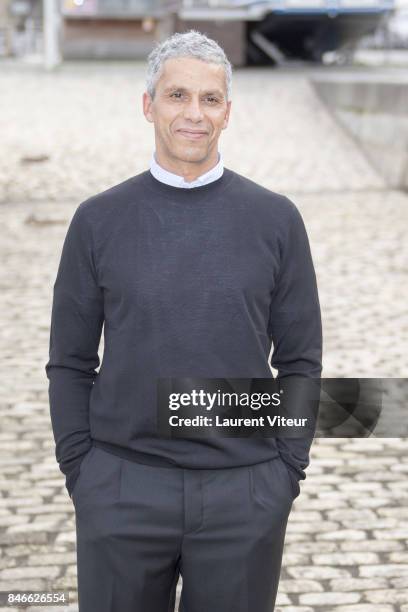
(185, 283)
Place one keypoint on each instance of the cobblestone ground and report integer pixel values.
(346, 546)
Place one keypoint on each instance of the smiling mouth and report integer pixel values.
(192, 135)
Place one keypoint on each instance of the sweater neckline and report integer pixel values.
(187, 196)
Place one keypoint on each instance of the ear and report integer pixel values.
(147, 106)
(227, 114)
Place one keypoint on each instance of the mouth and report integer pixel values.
(192, 134)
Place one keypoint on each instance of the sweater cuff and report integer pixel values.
(295, 468)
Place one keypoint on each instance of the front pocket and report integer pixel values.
(99, 479)
(295, 487)
(82, 466)
(270, 487)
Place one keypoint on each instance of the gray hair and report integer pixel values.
(186, 44)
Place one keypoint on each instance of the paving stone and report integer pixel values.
(25, 584)
(294, 559)
(30, 572)
(329, 598)
(388, 570)
(299, 586)
(343, 558)
(388, 596)
(317, 572)
(400, 582)
(291, 609)
(373, 545)
(343, 534)
(363, 608)
(398, 557)
(282, 599)
(357, 584)
(397, 534)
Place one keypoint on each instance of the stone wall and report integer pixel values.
(375, 112)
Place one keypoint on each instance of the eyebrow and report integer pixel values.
(216, 92)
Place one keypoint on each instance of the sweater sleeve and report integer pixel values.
(75, 332)
(296, 334)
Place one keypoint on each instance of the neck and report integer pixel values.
(188, 170)
(189, 197)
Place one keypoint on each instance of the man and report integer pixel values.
(194, 270)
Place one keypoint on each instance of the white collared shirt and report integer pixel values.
(178, 181)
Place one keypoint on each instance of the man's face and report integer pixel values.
(190, 96)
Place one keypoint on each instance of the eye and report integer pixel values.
(177, 95)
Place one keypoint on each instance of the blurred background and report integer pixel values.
(319, 113)
(251, 31)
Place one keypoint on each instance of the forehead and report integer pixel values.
(192, 74)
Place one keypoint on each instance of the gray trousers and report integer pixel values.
(139, 527)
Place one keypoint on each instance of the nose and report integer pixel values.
(192, 110)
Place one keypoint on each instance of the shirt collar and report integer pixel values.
(177, 180)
